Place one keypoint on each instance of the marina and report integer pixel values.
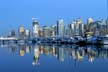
(59, 40)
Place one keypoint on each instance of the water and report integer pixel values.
(53, 58)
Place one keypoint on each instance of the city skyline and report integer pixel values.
(16, 13)
(53, 35)
(76, 27)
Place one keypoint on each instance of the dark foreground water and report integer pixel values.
(53, 58)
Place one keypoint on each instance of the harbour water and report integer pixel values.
(53, 58)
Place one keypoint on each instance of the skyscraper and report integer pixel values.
(78, 23)
(81, 29)
(77, 27)
(27, 33)
(90, 22)
(46, 31)
(104, 27)
(21, 32)
(12, 33)
(40, 32)
(90, 27)
(53, 31)
(72, 29)
(60, 27)
(35, 28)
(107, 21)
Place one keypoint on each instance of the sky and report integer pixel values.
(15, 13)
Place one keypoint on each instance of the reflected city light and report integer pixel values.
(75, 52)
(27, 49)
(22, 52)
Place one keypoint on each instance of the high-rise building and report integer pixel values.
(12, 33)
(82, 30)
(107, 26)
(71, 29)
(40, 32)
(107, 23)
(53, 31)
(27, 33)
(103, 27)
(35, 28)
(46, 31)
(21, 32)
(90, 20)
(89, 27)
(60, 27)
(79, 27)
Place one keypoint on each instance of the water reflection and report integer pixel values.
(60, 52)
(66, 56)
(36, 55)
